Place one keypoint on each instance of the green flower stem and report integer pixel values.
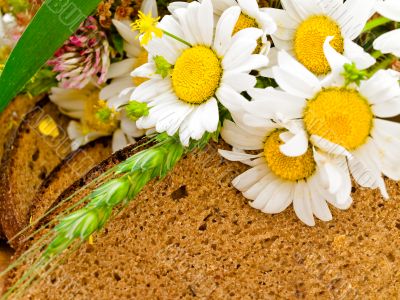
(177, 38)
(376, 54)
(376, 23)
(382, 65)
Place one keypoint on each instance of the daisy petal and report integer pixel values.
(296, 146)
(254, 191)
(357, 54)
(281, 200)
(239, 81)
(381, 87)
(389, 42)
(353, 15)
(237, 156)
(319, 206)
(389, 9)
(119, 140)
(328, 146)
(225, 25)
(150, 6)
(269, 102)
(246, 180)
(302, 203)
(231, 99)
(120, 68)
(206, 19)
(125, 31)
(266, 194)
(239, 138)
(335, 59)
(210, 115)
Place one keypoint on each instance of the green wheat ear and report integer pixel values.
(77, 227)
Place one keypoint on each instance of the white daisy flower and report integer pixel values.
(303, 27)
(390, 41)
(122, 84)
(344, 120)
(215, 67)
(251, 16)
(93, 117)
(275, 181)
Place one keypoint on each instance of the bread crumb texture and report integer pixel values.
(76, 165)
(27, 161)
(192, 235)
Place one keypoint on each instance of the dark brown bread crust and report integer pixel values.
(100, 169)
(94, 173)
(12, 116)
(27, 160)
(73, 167)
(10, 120)
(193, 235)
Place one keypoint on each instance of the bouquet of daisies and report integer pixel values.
(304, 92)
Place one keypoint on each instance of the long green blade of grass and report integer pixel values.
(52, 25)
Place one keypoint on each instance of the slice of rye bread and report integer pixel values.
(12, 116)
(192, 235)
(10, 119)
(28, 158)
(72, 168)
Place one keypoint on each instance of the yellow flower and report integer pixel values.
(147, 25)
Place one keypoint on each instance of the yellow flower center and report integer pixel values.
(141, 59)
(309, 41)
(196, 75)
(287, 168)
(244, 22)
(339, 115)
(91, 121)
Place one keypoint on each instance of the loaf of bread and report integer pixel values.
(32, 153)
(192, 235)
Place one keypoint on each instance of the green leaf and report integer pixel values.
(264, 82)
(118, 42)
(41, 83)
(52, 25)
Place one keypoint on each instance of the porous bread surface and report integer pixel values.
(73, 167)
(27, 161)
(10, 119)
(12, 116)
(88, 179)
(192, 235)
